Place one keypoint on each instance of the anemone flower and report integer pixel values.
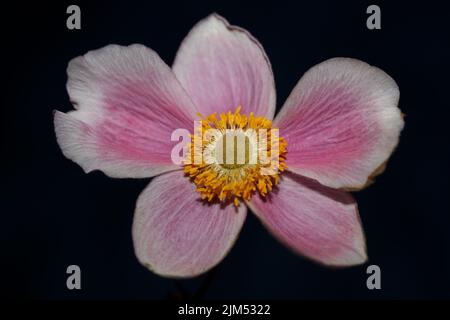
(337, 129)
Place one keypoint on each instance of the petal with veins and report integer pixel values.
(176, 234)
(128, 103)
(341, 122)
(316, 221)
(223, 66)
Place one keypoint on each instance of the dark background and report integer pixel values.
(53, 215)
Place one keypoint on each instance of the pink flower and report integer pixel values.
(341, 124)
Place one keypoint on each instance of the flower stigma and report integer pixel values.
(232, 156)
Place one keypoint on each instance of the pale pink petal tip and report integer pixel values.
(177, 235)
(341, 122)
(222, 66)
(128, 102)
(315, 221)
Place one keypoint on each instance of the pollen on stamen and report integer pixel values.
(234, 156)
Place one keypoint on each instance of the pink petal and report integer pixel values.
(128, 103)
(175, 234)
(223, 66)
(341, 122)
(316, 221)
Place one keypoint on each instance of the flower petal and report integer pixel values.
(223, 66)
(128, 103)
(176, 234)
(316, 221)
(341, 122)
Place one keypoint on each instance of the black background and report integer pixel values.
(53, 215)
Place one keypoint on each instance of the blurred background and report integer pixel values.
(52, 215)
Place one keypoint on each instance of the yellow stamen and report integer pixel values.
(224, 176)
